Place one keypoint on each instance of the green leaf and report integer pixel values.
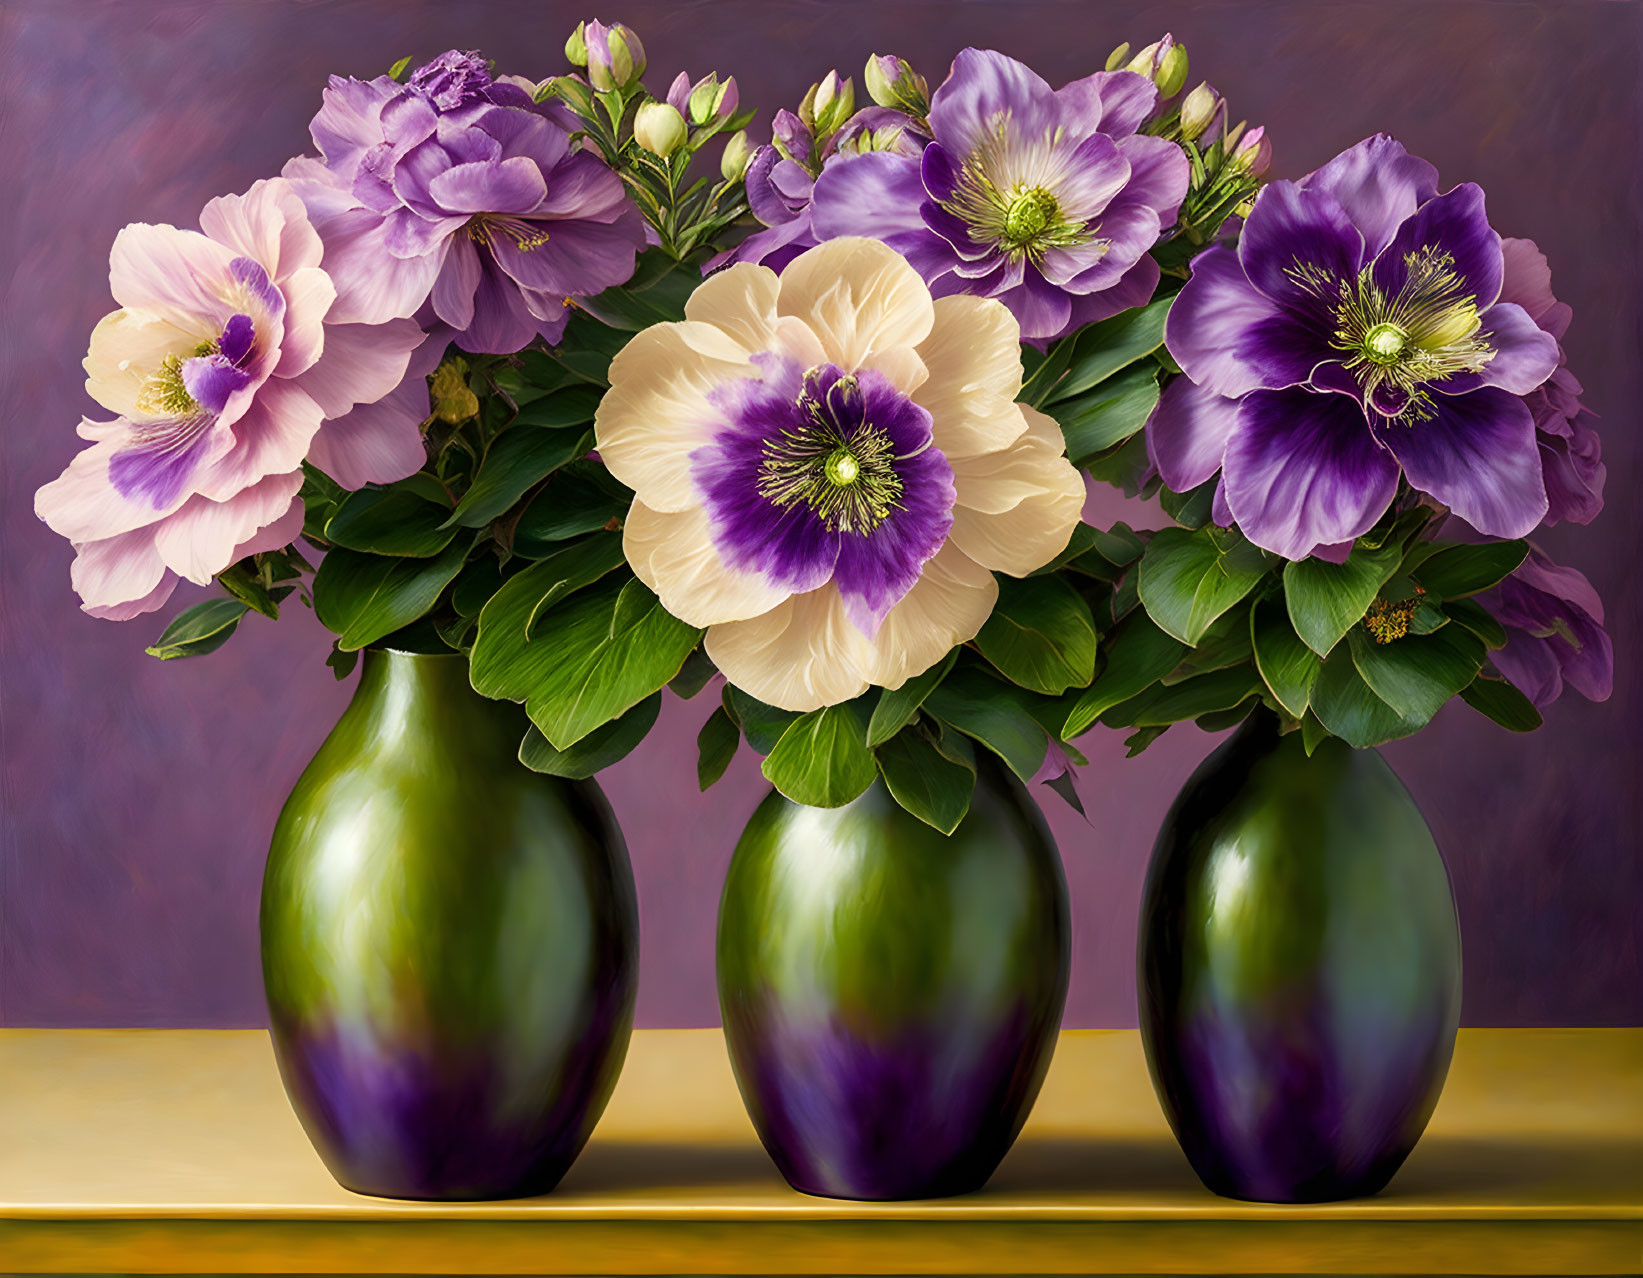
(321, 495)
(1416, 674)
(1349, 708)
(762, 725)
(527, 595)
(1136, 656)
(925, 781)
(715, 747)
(581, 498)
(244, 583)
(476, 584)
(1313, 733)
(1503, 703)
(1125, 467)
(571, 406)
(342, 661)
(898, 707)
(598, 750)
(656, 294)
(822, 760)
(1105, 417)
(1040, 635)
(600, 652)
(1289, 667)
(1043, 371)
(1191, 509)
(1188, 579)
(1456, 571)
(1478, 619)
(984, 709)
(694, 675)
(517, 460)
(195, 631)
(397, 520)
(360, 598)
(1326, 600)
(1160, 706)
(1226, 643)
(1102, 349)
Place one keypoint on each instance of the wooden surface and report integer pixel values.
(174, 1151)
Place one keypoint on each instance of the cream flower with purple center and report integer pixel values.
(829, 466)
(225, 377)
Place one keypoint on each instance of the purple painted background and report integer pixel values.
(138, 798)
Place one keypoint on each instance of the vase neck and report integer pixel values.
(428, 698)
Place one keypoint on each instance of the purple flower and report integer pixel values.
(1554, 624)
(1045, 199)
(454, 198)
(1355, 335)
(1570, 452)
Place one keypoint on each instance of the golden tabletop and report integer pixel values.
(174, 1151)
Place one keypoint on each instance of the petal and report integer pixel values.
(200, 539)
(657, 411)
(503, 321)
(973, 357)
(457, 282)
(272, 438)
(501, 186)
(1526, 278)
(361, 364)
(1017, 507)
(126, 346)
(350, 121)
(880, 195)
(309, 294)
(858, 296)
(875, 572)
(1379, 184)
(1232, 338)
(376, 443)
(983, 86)
(373, 286)
(1134, 288)
(1303, 471)
(1043, 310)
(948, 605)
(675, 555)
(741, 303)
(119, 577)
(1159, 175)
(1477, 456)
(1122, 100)
(576, 258)
(803, 654)
(1188, 432)
(181, 276)
(1529, 664)
(1290, 227)
(1455, 224)
(267, 223)
(1525, 355)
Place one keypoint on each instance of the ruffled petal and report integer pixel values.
(1290, 227)
(803, 654)
(373, 286)
(1457, 225)
(361, 364)
(308, 296)
(673, 552)
(1188, 432)
(272, 438)
(879, 195)
(948, 605)
(118, 578)
(1478, 456)
(269, 224)
(1379, 184)
(1525, 355)
(973, 357)
(858, 296)
(1017, 508)
(985, 84)
(1303, 471)
(179, 275)
(202, 538)
(376, 443)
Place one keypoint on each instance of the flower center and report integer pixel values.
(992, 198)
(1396, 344)
(164, 393)
(483, 228)
(836, 462)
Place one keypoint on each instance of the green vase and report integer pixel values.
(890, 994)
(1300, 969)
(448, 943)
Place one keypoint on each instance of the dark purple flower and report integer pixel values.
(1045, 199)
(1554, 624)
(456, 199)
(1570, 452)
(1355, 335)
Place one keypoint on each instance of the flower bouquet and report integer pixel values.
(534, 404)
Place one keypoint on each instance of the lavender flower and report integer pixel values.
(1045, 199)
(456, 199)
(1356, 335)
(1554, 624)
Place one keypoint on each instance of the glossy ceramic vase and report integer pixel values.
(449, 945)
(891, 995)
(1299, 969)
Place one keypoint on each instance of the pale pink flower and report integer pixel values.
(224, 377)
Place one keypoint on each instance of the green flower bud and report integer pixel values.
(659, 128)
(576, 48)
(1198, 109)
(1118, 57)
(1164, 62)
(711, 101)
(892, 83)
(830, 103)
(737, 152)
